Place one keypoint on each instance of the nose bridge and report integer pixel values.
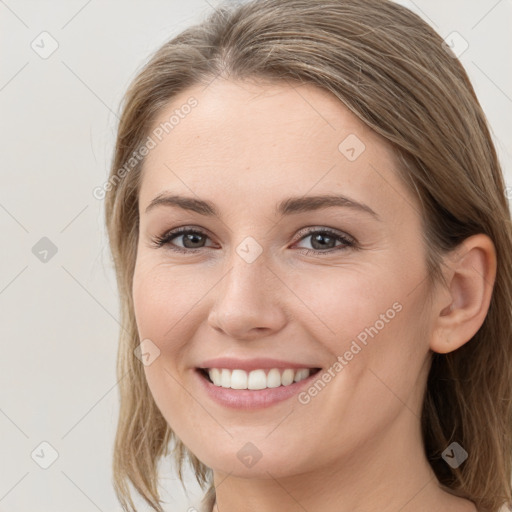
(247, 300)
(247, 280)
(248, 275)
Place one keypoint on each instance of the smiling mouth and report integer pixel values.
(256, 379)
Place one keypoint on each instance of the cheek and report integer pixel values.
(339, 305)
(370, 319)
(163, 305)
(380, 370)
(162, 298)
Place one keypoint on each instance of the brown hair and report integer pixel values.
(391, 70)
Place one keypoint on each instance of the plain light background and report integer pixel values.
(59, 326)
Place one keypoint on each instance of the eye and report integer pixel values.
(191, 239)
(324, 241)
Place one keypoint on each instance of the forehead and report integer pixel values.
(249, 138)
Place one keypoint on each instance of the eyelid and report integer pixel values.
(307, 231)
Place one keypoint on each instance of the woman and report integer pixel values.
(313, 250)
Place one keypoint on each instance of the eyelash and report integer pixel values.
(166, 238)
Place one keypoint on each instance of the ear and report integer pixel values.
(461, 307)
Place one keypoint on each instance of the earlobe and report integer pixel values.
(470, 274)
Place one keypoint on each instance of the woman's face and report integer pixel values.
(272, 273)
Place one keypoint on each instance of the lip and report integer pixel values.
(263, 363)
(250, 399)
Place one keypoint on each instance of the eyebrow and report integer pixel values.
(290, 206)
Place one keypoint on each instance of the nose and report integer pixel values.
(248, 301)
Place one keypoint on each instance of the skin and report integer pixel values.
(356, 446)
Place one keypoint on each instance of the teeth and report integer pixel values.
(256, 379)
(301, 374)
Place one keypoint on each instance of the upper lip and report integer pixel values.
(248, 365)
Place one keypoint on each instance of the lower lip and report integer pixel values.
(252, 398)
